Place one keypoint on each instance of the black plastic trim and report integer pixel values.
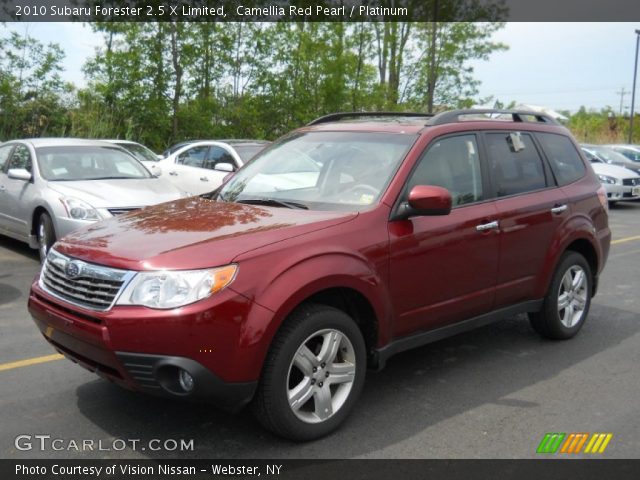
(419, 339)
(153, 374)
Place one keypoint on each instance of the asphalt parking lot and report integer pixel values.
(490, 393)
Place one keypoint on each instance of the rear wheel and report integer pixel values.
(45, 234)
(567, 303)
(313, 374)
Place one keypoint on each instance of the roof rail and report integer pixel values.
(332, 117)
(453, 116)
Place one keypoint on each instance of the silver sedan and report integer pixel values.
(50, 187)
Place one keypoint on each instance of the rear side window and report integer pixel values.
(452, 163)
(515, 166)
(565, 161)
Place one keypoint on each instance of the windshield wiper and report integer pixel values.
(114, 178)
(273, 202)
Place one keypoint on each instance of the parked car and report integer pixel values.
(609, 155)
(619, 182)
(52, 186)
(177, 146)
(142, 153)
(200, 167)
(632, 152)
(412, 229)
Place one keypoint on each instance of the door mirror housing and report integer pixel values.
(224, 167)
(19, 174)
(425, 200)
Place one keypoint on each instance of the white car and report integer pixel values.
(143, 154)
(200, 167)
(50, 187)
(619, 182)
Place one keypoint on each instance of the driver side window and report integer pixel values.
(194, 157)
(21, 158)
(452, 163)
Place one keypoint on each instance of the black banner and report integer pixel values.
(318, 10)
(546, 469)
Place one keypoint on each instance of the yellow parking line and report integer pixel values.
(627, 239)
(29, 361)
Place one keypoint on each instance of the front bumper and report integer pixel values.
(616, 192)
(144, 349)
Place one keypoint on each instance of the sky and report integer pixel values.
(562, 66)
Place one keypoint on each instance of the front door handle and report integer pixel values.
(558, 209)
(173, 173)
(487, 226)
(204, 179)
(2, 188)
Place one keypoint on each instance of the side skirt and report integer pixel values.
(381, 355)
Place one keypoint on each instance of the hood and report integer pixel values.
(191, 233)
(613, 170)
(118, 193)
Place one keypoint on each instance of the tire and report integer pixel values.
(572, 284)
(45, 234)
(299, 368)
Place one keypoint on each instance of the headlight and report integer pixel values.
(606, 179)
(171, 289)
(79, 210)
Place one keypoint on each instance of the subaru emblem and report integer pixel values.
(73, 269)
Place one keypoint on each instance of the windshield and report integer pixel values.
(321, 170)
(630, 153)
(609, 155)
(247, 152)
(141, 152)
(88, 163)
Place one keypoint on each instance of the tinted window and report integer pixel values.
(515, 165)
(565, 162)
(193, 157)
(4, 155)
(452, 163)
(218, 155)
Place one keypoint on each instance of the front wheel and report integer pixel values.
(45, 234)
(313, 374)
(567, 303)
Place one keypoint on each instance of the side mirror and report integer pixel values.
(425, 200)
(156, 171)
(160, 156)
(224, 167)
(19, 174)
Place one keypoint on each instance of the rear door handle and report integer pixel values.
(2, 188)
(487, 226)
(558, 209)
(204, 179)
(173, 173)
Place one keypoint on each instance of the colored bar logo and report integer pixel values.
(574, 443)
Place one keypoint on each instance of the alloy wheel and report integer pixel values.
(572, 296)
(321, 375)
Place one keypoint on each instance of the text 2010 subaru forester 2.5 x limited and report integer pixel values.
(345, 242)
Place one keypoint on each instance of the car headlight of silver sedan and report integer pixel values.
(607, 179)
(79, 210)
(171, 289)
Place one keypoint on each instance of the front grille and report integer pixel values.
(81, 283)
(121, 211)
(631, 182)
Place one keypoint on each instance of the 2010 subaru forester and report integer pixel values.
(345, 242)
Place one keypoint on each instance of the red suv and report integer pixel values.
(343, 243)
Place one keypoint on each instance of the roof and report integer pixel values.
(62, 142)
